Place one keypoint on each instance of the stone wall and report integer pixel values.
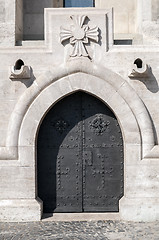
(124, 16)
(25, 21)
(49, 74)
(155, 10)
(7, 23)
(2, 11)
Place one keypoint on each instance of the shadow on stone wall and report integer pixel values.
(150, 82)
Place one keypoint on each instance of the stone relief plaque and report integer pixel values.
(80, 35)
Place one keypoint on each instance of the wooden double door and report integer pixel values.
(80, 157)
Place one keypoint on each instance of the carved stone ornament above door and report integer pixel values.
(79, 35)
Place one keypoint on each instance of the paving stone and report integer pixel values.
(90, 230)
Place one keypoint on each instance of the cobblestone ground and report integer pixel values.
(101, 230)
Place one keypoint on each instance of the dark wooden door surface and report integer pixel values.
(80, 157)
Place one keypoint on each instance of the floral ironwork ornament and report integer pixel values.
(99, 125)
(60, 125)
(79, 35)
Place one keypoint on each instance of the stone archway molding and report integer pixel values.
(115, 89)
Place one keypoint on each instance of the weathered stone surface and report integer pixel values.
(54, 75)
(20, 210)
(80, 230)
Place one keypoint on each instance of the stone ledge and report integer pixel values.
(79, 217)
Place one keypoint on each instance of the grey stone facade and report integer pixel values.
(51, 71)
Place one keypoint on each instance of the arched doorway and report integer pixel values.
(80, 157)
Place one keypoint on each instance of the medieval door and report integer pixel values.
(80, 157)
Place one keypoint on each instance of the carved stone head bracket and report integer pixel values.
(79, 35)
(140, 73)
(140, 69)
(23, 73)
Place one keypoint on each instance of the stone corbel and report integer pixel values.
(23, 73)
(140, 70)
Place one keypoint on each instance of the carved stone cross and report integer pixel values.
(79, 36)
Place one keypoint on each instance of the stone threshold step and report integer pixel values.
(80, 216)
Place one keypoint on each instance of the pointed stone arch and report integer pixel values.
(47, 90)
(67, 78)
